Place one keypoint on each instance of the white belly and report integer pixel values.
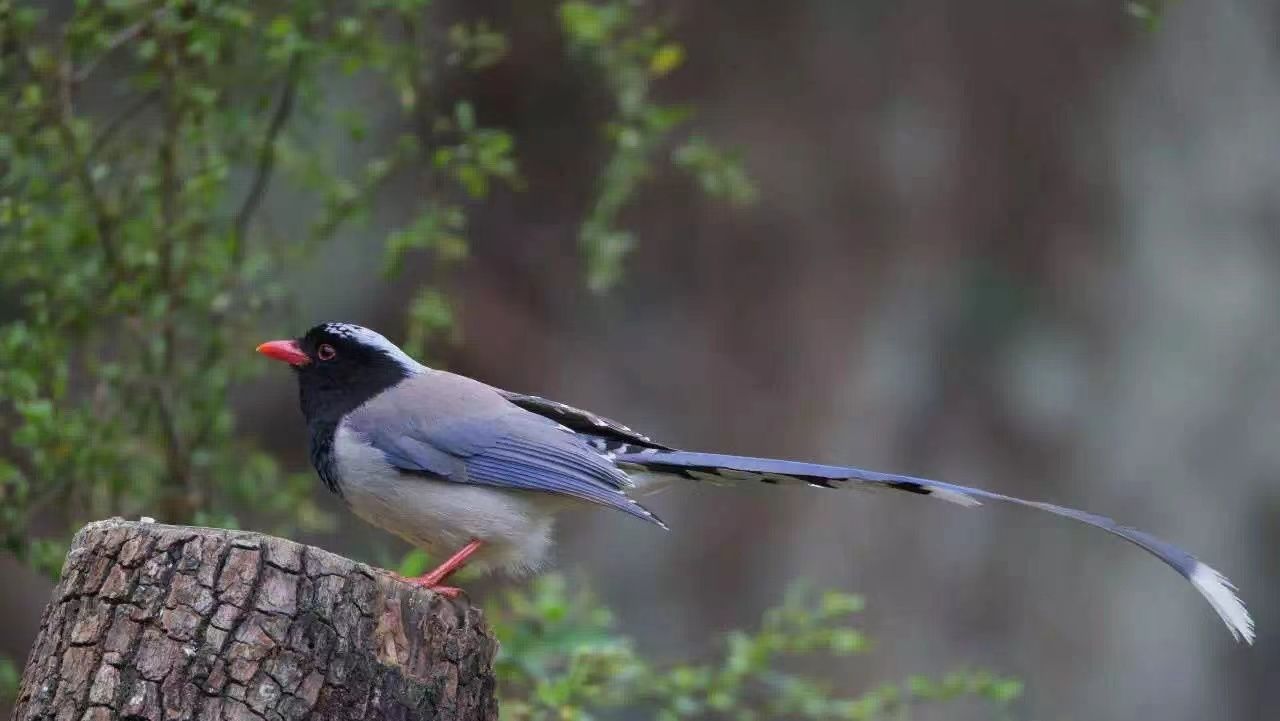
(442, 516)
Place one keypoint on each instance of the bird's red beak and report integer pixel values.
(284, 350)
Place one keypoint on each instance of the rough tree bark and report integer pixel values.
(163, 622)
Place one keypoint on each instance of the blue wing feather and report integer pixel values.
(517, 451)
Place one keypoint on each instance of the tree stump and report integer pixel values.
(163, 622)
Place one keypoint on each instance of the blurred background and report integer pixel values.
(1032, 247)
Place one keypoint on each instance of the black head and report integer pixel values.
(340, 366)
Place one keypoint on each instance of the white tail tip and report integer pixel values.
(1221, 595)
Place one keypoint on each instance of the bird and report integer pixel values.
(477, 475)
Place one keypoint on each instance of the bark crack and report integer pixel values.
(154, 623)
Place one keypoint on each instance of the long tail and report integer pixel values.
(717, 467)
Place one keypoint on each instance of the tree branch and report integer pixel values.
(117, 41)
(103, 222)
(118, 121)
(266, 158)
(177, 453)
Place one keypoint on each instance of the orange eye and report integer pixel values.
(326, 352)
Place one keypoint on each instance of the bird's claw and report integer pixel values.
(449, 592)
(433, 585)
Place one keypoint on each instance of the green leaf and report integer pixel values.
(465, 115)
(666, 58)
(10, 676)
(415, 563)
(586, 23)
(720, 175)
(439, 229)
(1148, 12)
(430, 317)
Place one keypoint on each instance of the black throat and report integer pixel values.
(322, 456)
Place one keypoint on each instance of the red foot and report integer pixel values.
(434, 580)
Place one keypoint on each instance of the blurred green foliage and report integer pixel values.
(630, 55)
(562, 659)
(9, 677)
(1148, 12)
(138, 139)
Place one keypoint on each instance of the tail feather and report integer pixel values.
(714, 466)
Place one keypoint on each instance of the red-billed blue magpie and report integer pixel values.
(453, 465)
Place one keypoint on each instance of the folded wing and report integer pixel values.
(510, 450)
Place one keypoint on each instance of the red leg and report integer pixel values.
(434, 580)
